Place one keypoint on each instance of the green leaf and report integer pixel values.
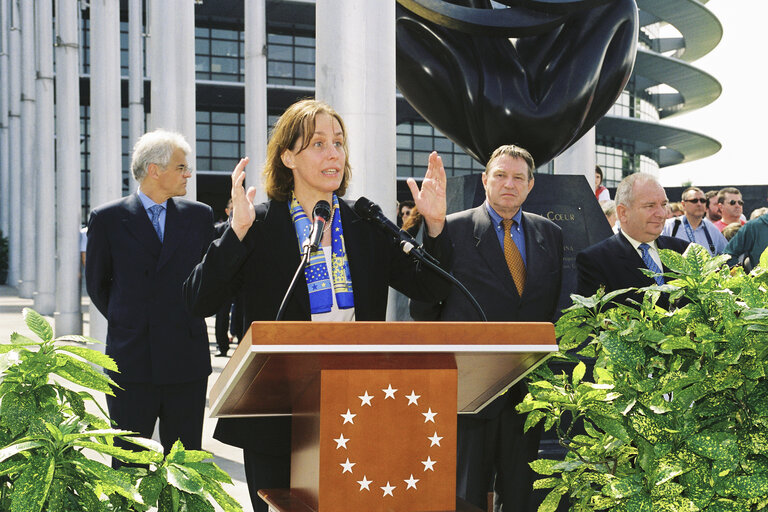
(57, 495)
(611, 426)
(551, 501)
(17, 411)
(81, 373)
(142, 457)
(217, 492)
(748, 486)
(37, 324)
(578, 373)
(544, 466)
(77, 338)
(715, 445)
(18, 447)
(210, 470)
(184, 479)
(90, 355)
(110, 479)
(31, 489)
(150, 487)
(534, 417)
(19, 340)
(195, 503)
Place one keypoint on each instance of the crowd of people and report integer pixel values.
(156, 266)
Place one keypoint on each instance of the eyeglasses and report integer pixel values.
(185, 170)
(733, 202)
(696, 200)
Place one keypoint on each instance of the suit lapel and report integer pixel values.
(175, 229)
(136, 222)
(630, 259)
(487, 243)
(281, 234)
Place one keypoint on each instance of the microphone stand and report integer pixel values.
(427, 259)
(299, 270)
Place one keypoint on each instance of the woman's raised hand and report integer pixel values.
(430, 200)
(243, 213)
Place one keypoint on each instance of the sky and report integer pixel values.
(738, 119)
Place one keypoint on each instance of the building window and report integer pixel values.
(219, 54)
(619, 158)
(290, 59)
(416, 140)
(220, 140)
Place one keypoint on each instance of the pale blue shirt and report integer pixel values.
(699, 236)
(517, 233)
(148, 203)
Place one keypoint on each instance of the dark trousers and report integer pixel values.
(493, 455)
(179, 407)
(222, 325)
(264, 471)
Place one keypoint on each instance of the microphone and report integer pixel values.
(369, 210)
(322, 216)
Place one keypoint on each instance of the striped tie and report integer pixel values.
(652, 266)
(513, 257)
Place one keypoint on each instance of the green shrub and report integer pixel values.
(45, 428)
(675, 417)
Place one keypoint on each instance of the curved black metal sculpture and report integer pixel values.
(538, 73)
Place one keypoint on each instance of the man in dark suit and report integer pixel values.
(223, 314)
(511, 262)
(616, 261)
(140, 250)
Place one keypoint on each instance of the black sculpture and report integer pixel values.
(566, 64)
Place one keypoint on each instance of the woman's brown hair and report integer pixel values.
(297, 124)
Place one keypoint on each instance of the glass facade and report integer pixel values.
(619, 158)
(219, 54)
(220, 140)
(291, 59)
(416, 140)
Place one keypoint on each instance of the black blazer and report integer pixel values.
(616, 264)
(135, 282)
(259, 270)
(480, 265)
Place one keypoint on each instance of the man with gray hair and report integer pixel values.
(616, 261)
(140, 250)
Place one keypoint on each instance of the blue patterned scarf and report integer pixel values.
(316, 271)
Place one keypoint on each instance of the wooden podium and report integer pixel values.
(374, 404)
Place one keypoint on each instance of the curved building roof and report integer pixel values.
(701, 30)
(674, 145)
(694, 87)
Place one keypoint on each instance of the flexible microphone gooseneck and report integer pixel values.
(371, 212)
(321, 214)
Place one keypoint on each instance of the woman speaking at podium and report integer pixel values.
(347, 279)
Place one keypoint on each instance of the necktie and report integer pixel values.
(154, 213)
(652, 266)
(513, 257)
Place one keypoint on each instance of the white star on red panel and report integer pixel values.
(388, 489)
(389, 392)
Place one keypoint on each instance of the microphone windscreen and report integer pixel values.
(365, 208)
(323, 210)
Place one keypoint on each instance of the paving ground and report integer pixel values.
(229, 458)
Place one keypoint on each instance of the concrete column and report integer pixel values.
(135, 77)
(29, 179)
(172, 71)
(5, 196)
(579, 158)
(45, 299)
(14, 151)
(106, 143)
(355, 74)
(67, 319)
(256, 93)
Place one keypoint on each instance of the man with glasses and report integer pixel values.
(140, 250)
(731, 207)
(693, 226)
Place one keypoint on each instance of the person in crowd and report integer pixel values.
(609, 210)
(616, 261)
(693, 226)
(412, 222)
(731, 207)
(223, 314)
(674, 210)
(757, 212)
(601, 192)
(511, 261)
(749, 242)
(713, 207)
(731, 230)
(404, 210)
(256, 258)
(140, 250)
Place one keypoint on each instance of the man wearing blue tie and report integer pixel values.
(140, 250)
(616, 261)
